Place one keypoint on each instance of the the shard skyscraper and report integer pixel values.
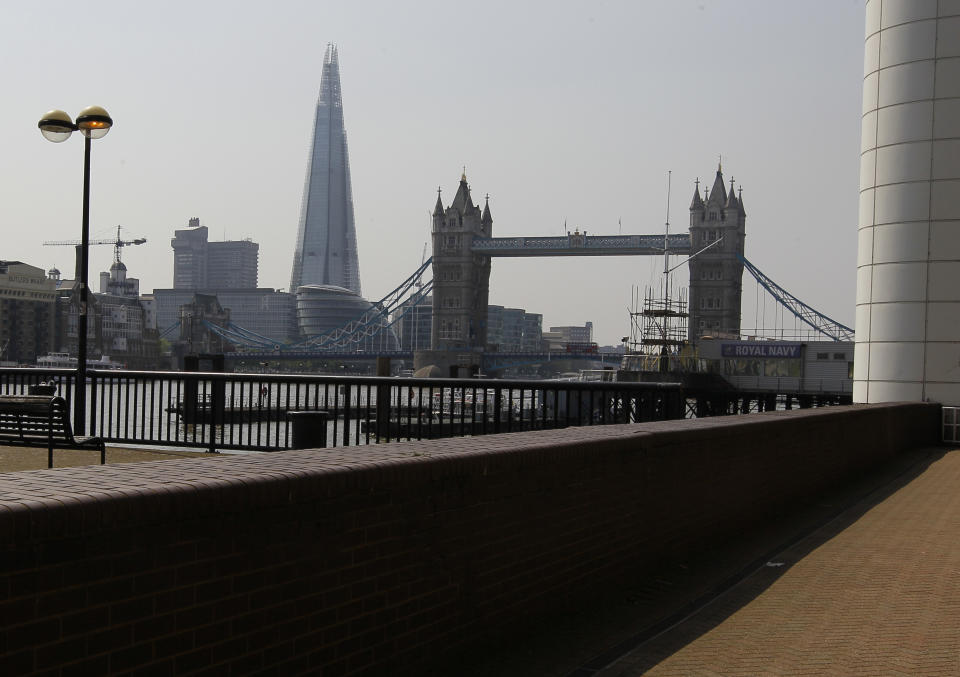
(326, 252)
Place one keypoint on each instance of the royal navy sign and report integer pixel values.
(788, 351)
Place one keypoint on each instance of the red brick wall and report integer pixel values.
(369, 559)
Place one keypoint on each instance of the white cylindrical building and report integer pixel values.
(908, 262)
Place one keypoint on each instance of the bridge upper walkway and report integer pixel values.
(581, 244)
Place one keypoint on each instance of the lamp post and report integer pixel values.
(56, 126)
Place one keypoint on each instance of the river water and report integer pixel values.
(150, 411)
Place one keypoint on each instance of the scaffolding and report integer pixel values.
(658, 329)
(658, 325)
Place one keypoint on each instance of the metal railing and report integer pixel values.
(951, 424)
(213, 410)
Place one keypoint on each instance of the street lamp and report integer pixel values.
(94, 123)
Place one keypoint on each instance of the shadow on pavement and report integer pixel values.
(585, 637)
(801, 533)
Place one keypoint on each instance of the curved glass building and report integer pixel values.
(322, 309)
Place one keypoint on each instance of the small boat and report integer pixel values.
(202, 412)
(67, 361)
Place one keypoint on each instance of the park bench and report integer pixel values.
(42, 421)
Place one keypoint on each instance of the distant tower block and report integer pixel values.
(908, 263)
(716, 274)
(326, 252)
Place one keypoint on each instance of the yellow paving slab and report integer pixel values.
(876, 591)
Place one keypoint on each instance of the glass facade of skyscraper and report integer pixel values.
(326, 251)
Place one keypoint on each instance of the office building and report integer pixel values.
(201, 264)
(413, 323)
(532, 339)
(149, 310)
(190, 256)
(512, 340)
(28, 300)
(326, 250)
(574, 334)
(513, 330)
(232, 264)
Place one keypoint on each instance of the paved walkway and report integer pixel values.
(863, 580)
(875, 591)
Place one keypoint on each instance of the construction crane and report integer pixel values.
(117, 243)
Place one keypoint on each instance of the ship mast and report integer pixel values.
(658, 330)
(666, 235)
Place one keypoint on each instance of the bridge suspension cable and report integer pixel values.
(169, 330)
(237, 335)
(820, 322)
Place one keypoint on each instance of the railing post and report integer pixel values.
(677, 399)
(383, 400)
(190, 390)
(218, 396)
(92, 428)
(347, 392)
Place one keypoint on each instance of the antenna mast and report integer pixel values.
(662, 332)
(666, 233)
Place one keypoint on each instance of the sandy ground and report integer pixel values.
(15, 459)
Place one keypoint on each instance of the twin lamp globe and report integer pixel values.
(93, 122)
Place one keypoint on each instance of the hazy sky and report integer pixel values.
(562, 111)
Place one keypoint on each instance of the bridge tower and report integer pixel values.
(461, 278)
(716, 274)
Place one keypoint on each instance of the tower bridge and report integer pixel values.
(463, 246)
